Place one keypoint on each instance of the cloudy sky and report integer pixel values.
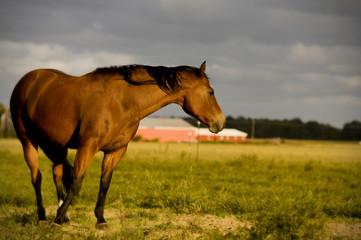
(275, 59)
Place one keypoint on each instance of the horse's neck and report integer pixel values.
(156, 99)
(143, 100)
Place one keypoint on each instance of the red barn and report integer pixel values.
(226, 135)
(166, 130)
(179, 130)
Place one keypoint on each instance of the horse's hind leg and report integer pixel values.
(83, 158)
(57, 155)
(31, 158)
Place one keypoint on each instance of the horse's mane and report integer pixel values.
(167, 78)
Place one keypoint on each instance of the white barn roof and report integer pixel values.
(224, 132)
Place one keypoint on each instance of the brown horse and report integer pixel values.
(99, 111)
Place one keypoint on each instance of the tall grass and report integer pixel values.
(286, 191)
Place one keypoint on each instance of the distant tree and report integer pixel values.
(351, 131)
(137, 138)
(292, 129)
(6, 126)
(2, 109)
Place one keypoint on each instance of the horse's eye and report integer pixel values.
(211, 93)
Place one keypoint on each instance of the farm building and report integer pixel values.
(226, 135)
(179, 130)
(166, 130)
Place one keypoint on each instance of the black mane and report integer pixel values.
(167, 78)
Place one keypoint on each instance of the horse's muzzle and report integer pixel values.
(217, 125)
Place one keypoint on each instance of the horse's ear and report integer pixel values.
(202, 68)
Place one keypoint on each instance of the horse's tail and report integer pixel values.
(68, 175)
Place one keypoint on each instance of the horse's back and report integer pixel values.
(38, 98)
(24, 86)
(34, 79)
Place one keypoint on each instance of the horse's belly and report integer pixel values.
(59, 133)
(54, 124)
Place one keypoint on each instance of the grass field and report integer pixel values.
(259, 190)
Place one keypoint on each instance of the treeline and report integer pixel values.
(292, 129)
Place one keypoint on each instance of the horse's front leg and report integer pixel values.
(110, 161)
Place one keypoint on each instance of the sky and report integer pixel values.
(276, 59)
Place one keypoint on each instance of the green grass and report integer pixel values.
(261, 190)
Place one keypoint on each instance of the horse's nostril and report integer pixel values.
(221, 123)
(215, 128)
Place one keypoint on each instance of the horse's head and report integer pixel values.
(200, 101)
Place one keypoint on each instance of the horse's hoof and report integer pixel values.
(101, 226)
(66, 219)
(43, 223)
(55, 225)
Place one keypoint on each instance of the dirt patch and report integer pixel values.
(155, 224)
(210, 222)
(347, 230)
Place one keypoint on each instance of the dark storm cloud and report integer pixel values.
(269, 58)
(334, 7)
(270, 22)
